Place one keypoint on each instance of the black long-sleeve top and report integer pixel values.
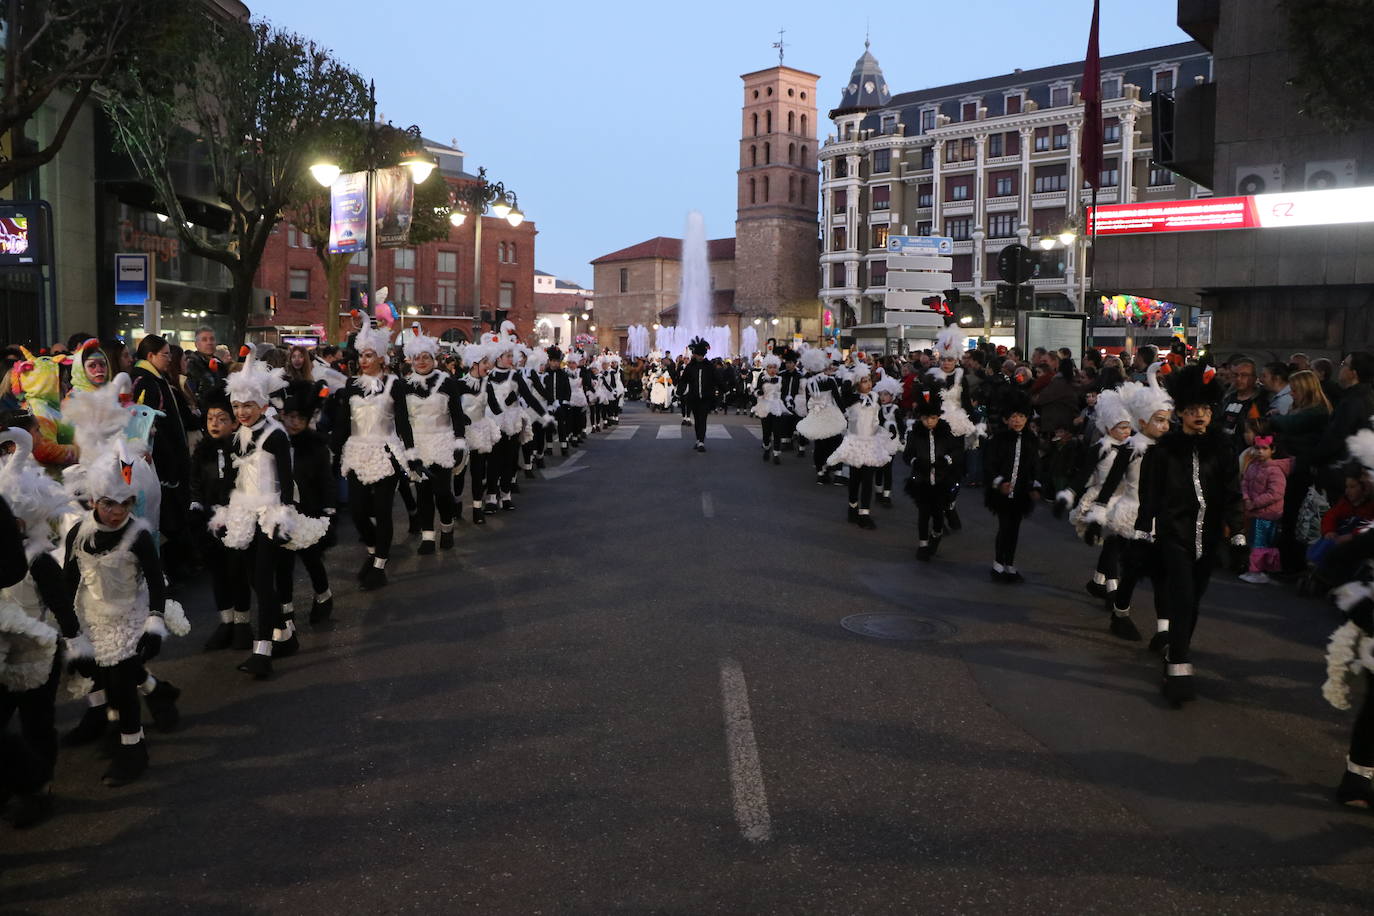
(212, 471)
(934, 456)
(312, 470)
(394, 388)
(557, 386)
(697, 382)
(57, 593)
(13, 563)
(103, 541)
(792, 383)
(1190, 491)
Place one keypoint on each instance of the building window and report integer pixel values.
(791, 122)
(841, 199)
(501, 252)
(446, 262)
(297, 239)
(753, 195)
(927, 157)
(925, 227)
(1060, 136)
(768, 122)
(404, 289)
(624, 279)
(1003, 184)
(837, 239)
(925, 195)
(1051, 178)
(968, 111)
(753, 154)
(840, 168)
(403, 258)
(959, 229)
(803, 123)
(995, 146)
(879, 236)
(1059, 96)
(877, 273)
(881, 197)
(1013, 103)
(888, 125)
(1047, 221)
(507, 295)
(967, 149)
(300, 284)
(1164, 79)
(1111, 176)
(359, 259)
(803, 189)
(1013, 142)
(1111, 87)
(510, 253)
(756, 124)
(1160, 177)
(927, 119)
(1001, 225)
(767, 153)
(961, 270)
(446, 296)
(882, 160)
(958, 189)
(1111, 130)
(791, 189)
(802, 160)
(1042, 139)
(791, 154)
(952, 151)
(837, 277)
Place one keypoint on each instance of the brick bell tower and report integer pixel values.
(776, 227)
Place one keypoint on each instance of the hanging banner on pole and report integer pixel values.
(395, 201)
(348, 213)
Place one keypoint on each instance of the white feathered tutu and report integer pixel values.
(246, 513)
(768, 407)
(481, 435)
(865, 451)
(823, 420)
(509, 420)
(27, 647)
(436, 446)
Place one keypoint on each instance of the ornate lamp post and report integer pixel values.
(474, 200)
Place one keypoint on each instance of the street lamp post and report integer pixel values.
(416, 162)
(474, 199)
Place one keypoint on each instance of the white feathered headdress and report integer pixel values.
(34, 498)
(417, 343)
(888, 385)
(105, 469)
(814, 360)
(371, 336)
(1144, 401)
(474, 353)
(1111, 409)
(773, 361)
(947, 343)
(952, 408)
(538, 359)
(255, 381)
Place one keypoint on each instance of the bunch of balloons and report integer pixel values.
(1138, 310)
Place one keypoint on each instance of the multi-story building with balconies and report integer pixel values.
(988, 163)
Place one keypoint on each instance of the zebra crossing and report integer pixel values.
(676, 432)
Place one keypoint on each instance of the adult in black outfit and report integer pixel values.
(698, 388)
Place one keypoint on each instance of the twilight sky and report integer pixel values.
(612, 120)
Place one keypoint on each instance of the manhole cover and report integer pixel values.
(897, 626)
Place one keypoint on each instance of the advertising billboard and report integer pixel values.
(1260, 211)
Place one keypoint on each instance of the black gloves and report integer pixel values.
(149, 645)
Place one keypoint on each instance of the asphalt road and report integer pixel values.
(634, 695)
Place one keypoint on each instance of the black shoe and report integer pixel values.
(445, 540)
(243, 637)
(515, 486)
(765, 454)
(776, 458)
(1124, 628)
(1159, 643)
(260, 666)
(282, 648)
(414, 524)
(375, 579)
(130, 760)
(1355, 790)
(162, 706)
(935, 543)
(686, 422)
(1096, 589)
(320, 610)
(479, 517)
(221, 638)
(866, 522)
(490, 508)
(508, 505)
(829, 478)
(91, 728)
(367, 564)
(529, 473)
(924, 552)
(564, 450)
(426, 548)
(885, 501)
(33, 808)
(1178, 689)
(701, 446)
(539, 462)
(997, 576)
(820, 480)
(854, 515)
(1013, 578)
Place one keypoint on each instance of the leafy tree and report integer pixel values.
(247, 109)
(68, 46)
(1335, 79)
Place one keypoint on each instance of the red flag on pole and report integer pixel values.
(1090, 148)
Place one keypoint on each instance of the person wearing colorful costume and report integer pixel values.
(35, 381)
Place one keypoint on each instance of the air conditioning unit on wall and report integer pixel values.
(1333, 173)
(1259, 179)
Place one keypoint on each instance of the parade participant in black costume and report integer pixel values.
(556, 389)
(541, 423)
(578, 401)
(508, 396)
(436, 417)
(698, 387)
(793, 399)
(824, 423)
(480, 432)
(372, 436)
(894, 424)
(1011, 469)
(768, 407)
(1189, 499)
(933, 451)
(865, 448)
(211, 484)
(312, 470)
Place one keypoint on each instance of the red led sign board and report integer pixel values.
(1262, 211)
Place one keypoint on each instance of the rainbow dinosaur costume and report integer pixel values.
(36, 382)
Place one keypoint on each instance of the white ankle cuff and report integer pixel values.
(263, 647)
(147, 686)
(240, 617)
(135, 738)
(1353, 767)
(96, 698)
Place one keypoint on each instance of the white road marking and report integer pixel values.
(746, 776)
(756, 431)
(708, 507)
(669, 432)
(623, 432)
(565, 468)
(717, 432)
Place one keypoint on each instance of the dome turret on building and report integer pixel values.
(866, 89)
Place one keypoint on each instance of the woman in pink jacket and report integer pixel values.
(1262, 487)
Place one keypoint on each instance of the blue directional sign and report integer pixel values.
(134, 279)
(920, 244)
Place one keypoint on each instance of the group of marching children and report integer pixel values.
(83, 595)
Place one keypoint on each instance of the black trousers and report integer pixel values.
(224, 581)
(700, 411)
(883, 478)
(772, 435)
(121, 684)
(1109, 558)
(824, 449)
(1140, 560)
(37, 709)
(502, 465)
(930, 514)
(1185, 581)
(1362, 735)
(434, 492)
(861, 487)
(312, 558)
(407, 494)
(370, 505)
(476, 471)
(258, 567)
(1008, 533)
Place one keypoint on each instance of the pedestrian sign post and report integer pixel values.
(136, 285)
(929, 245)
(917, 265)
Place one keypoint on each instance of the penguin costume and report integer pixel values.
(1011, 469)
(480, 432)
(1098, 486)
(313, 472)
(933, 451)
(1189, 500)
(793, 399)
(211, 484)
(824, 422)
(508, 397)
(769, 408)
(865, 447)
(893, 423)
(555, 388)
(436, 417)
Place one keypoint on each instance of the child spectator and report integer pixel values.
(1262, 488)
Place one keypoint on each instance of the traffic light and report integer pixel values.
(952, 297)
(934, 303)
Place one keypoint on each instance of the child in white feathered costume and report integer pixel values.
(890, 418)
(824, 423)
(769, 408)
(481, 433)
(865, 448)
(113, 568)
(436, 417)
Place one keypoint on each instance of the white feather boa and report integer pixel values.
(26, 649)
(1348, 653)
